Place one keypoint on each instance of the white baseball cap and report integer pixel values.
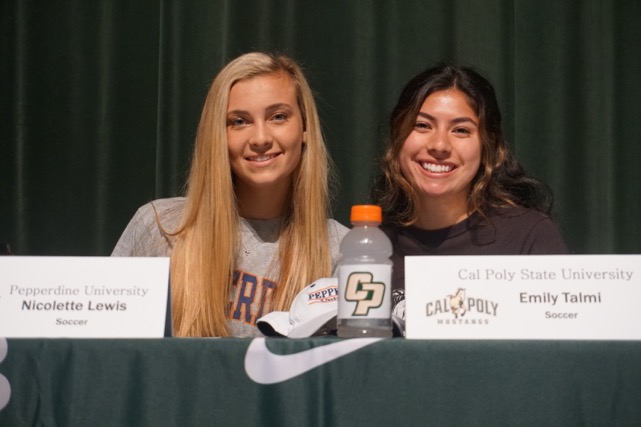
(313, 307)
(313, 312)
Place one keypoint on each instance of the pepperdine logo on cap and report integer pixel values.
(312, 308)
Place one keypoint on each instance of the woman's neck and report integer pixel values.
(437, 214)
(262, 203)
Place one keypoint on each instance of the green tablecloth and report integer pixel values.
(394, 382)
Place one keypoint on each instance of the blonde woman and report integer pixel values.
(253, 229)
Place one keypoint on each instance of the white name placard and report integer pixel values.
(582, 297)
(83, 297)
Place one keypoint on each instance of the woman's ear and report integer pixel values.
(304, 137)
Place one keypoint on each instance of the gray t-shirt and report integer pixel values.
(256, 263)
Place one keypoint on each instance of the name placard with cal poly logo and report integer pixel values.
(583, 297)
(83, 297)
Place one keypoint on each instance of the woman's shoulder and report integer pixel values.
(520, 215)
(145, 235)
(538, 230)
(164, 212)
(169, 211)
(168, 205)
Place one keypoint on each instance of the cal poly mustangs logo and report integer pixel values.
(459, 309)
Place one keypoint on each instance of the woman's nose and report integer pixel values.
(260, 136)
(439, 144)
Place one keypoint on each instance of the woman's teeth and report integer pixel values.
(431, 167)
(262, 158)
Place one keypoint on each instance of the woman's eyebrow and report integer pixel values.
(278, 106)
(269, 108)
(465, 120)
(454, 121)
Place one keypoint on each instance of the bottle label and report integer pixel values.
(365, 291)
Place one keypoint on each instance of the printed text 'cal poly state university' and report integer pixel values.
(530, 274)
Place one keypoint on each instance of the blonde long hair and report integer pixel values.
(207, 240)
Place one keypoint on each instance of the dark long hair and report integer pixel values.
(500, 180)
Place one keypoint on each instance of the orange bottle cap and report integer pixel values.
(371, 213)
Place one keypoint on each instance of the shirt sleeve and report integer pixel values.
(143, 237)
(126, 245)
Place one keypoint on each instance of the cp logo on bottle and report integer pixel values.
(366, 293)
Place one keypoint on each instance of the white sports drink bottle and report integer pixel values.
(365, 277)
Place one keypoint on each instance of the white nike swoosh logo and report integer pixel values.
(265, 367)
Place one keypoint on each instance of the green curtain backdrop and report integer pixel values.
(99, 100)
